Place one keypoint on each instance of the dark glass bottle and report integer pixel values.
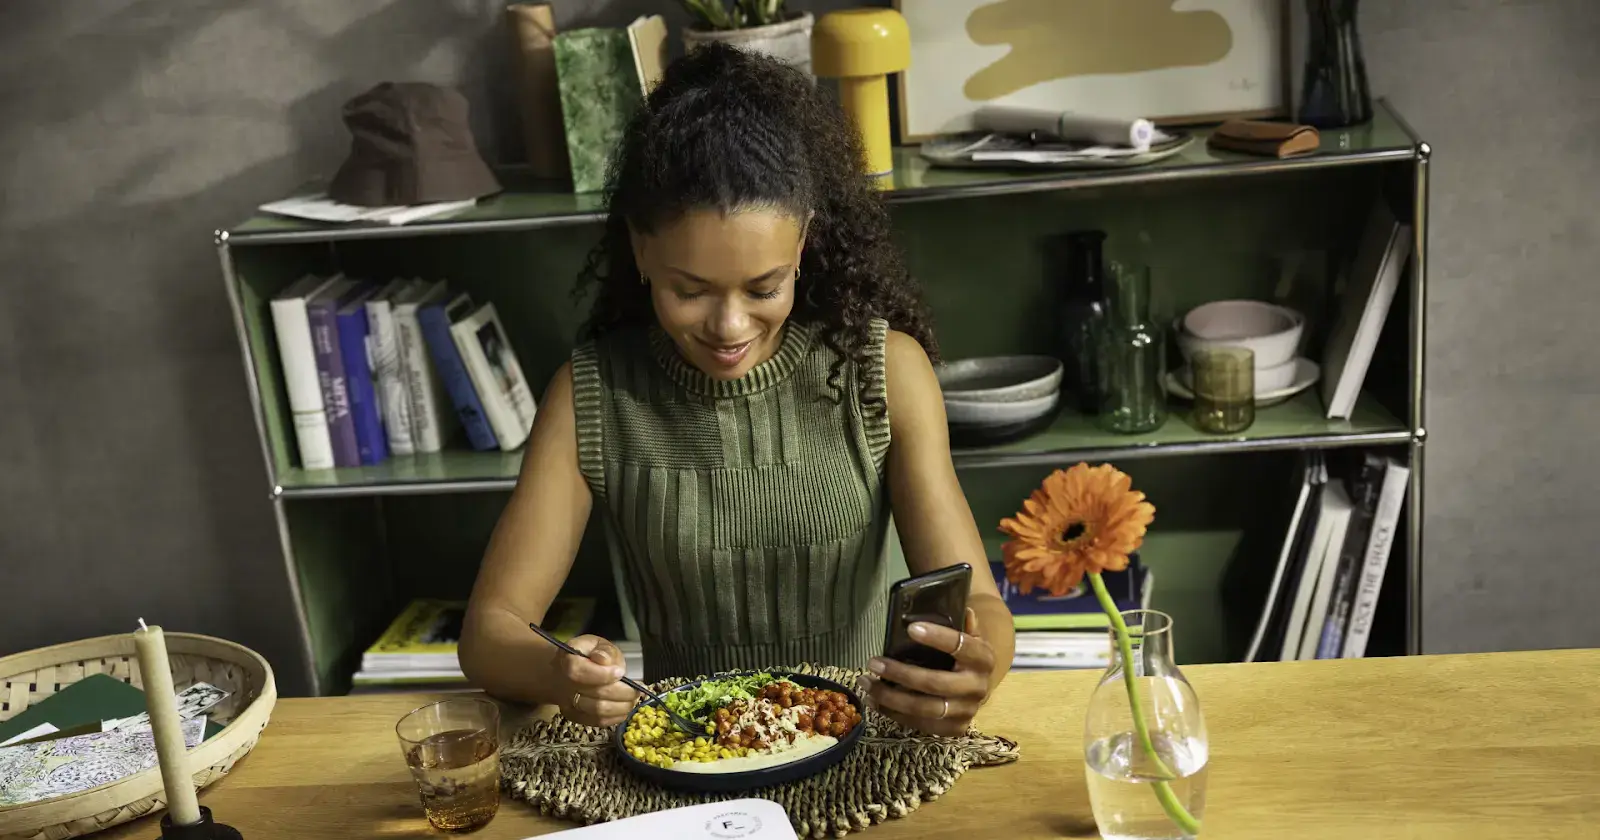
(1082, 312)
(1132, 356)
(1334, 93)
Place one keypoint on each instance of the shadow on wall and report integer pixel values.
(134, 129)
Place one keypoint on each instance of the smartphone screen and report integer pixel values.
(938, 597)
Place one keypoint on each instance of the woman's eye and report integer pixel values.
(682, 295)
(766, 295)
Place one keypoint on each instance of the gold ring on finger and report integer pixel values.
(575, 698)
(961, 639)
(946, 709)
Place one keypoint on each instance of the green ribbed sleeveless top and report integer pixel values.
(749, 516)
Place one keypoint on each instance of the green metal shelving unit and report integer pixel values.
(357, 543)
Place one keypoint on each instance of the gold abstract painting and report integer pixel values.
(1159, 59)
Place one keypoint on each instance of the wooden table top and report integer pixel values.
(1503, 745)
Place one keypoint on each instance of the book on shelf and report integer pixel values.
(419, 646)
(297, 357)
(436, 318)
(1070, 631)
(1374, 277)
(376, 371)
(384, 345)
(1330, 569)
(1045, 649)
(1078, 609)
(423, 387)
(496, 376)
(372, 443)
(322, 311)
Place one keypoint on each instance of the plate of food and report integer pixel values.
(762, 728)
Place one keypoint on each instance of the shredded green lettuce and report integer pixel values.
(701, 702)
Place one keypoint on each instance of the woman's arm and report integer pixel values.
(937, 530)
(528, 558)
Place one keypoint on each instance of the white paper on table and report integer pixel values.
(194, 700)
(738, 819)
(320, 208)
(41, 729)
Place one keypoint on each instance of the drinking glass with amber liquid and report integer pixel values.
(453, 751)
(1224, 389)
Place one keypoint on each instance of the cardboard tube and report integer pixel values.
(533, 29)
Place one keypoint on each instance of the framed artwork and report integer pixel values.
(1169, 61)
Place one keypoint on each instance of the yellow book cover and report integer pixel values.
(429, 626)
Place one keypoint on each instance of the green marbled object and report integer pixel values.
(599, 93)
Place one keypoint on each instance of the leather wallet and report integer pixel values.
(1268, 139)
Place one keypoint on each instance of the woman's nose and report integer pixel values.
(729, 321)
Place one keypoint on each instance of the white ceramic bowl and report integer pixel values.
(1277, 377)
(1000, 378)
(1270, 331)
(970, 413)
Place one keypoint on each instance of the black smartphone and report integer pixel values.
(938, 597)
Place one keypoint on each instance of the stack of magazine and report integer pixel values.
(1070, 631)
(1324, 591)
(419, 648)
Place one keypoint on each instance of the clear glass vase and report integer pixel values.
(1132, 792)
(1130, 355)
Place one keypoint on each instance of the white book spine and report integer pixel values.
(394, 398)
(1396, 480)
(1339, 519)
(311, 434)
(422, 383)
(504, 392)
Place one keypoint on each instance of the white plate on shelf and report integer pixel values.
(1306, 374)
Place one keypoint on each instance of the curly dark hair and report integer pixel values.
(728, 129)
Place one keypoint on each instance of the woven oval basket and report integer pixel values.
(30, 677)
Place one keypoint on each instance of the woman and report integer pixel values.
(755, 400)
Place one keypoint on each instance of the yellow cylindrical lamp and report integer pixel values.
(860, 48)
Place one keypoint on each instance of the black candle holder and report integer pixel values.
(205, 829)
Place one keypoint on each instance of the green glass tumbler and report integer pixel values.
(1224, 389)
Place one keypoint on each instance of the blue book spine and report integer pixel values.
(372, 442)
(322, 315)
(442, 347)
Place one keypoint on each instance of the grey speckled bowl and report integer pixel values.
(1000, 379)
(969, 413)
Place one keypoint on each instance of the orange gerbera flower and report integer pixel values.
(1084, 519)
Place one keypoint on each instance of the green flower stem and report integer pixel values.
(1169, 800)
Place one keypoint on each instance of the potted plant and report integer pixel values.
(764, 26)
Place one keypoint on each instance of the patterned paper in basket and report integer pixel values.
(571, 771)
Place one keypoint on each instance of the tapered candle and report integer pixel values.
(161, 701)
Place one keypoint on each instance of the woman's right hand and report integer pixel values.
(595, 694)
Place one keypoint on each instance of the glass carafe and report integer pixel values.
(1127, 785)
(1131, 355)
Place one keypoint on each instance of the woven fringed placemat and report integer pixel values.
(571, 771)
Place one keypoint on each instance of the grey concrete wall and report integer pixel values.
(130, 478)
(1508, 93)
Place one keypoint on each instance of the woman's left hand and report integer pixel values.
(936, 702)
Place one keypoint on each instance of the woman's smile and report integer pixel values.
(728, 355)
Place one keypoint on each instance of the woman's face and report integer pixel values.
(723, 284)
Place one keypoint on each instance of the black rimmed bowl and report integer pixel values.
(748, 779)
